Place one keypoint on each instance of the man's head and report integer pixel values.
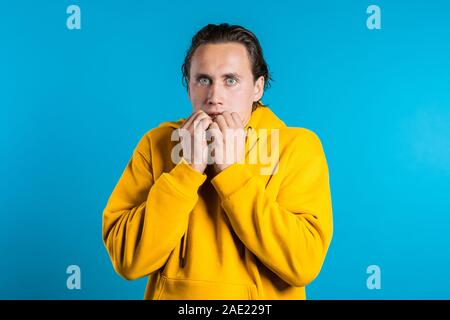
(224, 70)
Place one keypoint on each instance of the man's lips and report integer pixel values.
(213, 114)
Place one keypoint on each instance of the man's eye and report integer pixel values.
(231, 81)
(203, 81)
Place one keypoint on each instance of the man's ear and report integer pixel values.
(259, 89)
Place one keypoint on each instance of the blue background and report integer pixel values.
(74, 104)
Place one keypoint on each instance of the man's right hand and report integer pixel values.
(195, 150)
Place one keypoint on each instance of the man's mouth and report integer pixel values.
(213, 114)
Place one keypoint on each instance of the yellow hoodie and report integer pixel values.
(237, 235)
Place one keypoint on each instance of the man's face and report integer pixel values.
(221, 80)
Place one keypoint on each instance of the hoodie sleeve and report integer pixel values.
(290, 234)
(145, 219)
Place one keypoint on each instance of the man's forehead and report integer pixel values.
(220, 59)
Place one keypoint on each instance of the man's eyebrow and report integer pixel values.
(226, 75)
(231, 75)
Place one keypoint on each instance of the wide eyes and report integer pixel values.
(206, 81)
(231, 81)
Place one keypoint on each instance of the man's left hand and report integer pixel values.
(229, 135)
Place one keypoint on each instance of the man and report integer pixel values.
(208, 213)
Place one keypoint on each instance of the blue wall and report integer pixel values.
(74, 104)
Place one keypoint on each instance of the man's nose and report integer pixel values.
(215, 94)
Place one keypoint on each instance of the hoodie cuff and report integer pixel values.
(186, 179)
(231, 180)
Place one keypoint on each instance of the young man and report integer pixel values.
(207, 212)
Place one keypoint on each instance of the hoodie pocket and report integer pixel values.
(184, 289)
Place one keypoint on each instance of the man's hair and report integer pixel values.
(223, 33)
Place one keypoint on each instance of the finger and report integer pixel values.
(199, 139)
(229, 119)
(220, 120)
(188, 121)
(191, 118)
(215, 131)
(216, 145)
(206, 122)
(213, 125)
(203, 124)
(202, 115)
(197, 120)
(237, 120)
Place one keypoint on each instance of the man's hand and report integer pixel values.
(229, 140)
(194, 144)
